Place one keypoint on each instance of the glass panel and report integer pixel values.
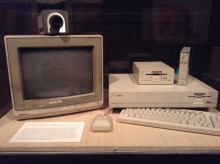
(134, 30)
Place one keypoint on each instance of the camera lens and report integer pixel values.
(56, 21)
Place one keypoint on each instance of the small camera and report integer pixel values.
(53, 22)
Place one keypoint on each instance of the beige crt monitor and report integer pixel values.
(53, 75)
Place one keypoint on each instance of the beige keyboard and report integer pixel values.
(176, 119)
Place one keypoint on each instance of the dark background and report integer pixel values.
(133, 30)
(113, 158)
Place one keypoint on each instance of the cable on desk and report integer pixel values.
(108, 111)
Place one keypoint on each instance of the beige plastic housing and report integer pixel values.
(33, 108)
(153, 73)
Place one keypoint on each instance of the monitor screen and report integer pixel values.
(52, 75)
(56, 72)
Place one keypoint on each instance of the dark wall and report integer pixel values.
(133, 30)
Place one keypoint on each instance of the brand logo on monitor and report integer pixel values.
(55, 102)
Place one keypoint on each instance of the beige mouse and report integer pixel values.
(102, 124)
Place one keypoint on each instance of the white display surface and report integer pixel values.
(49, 132)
